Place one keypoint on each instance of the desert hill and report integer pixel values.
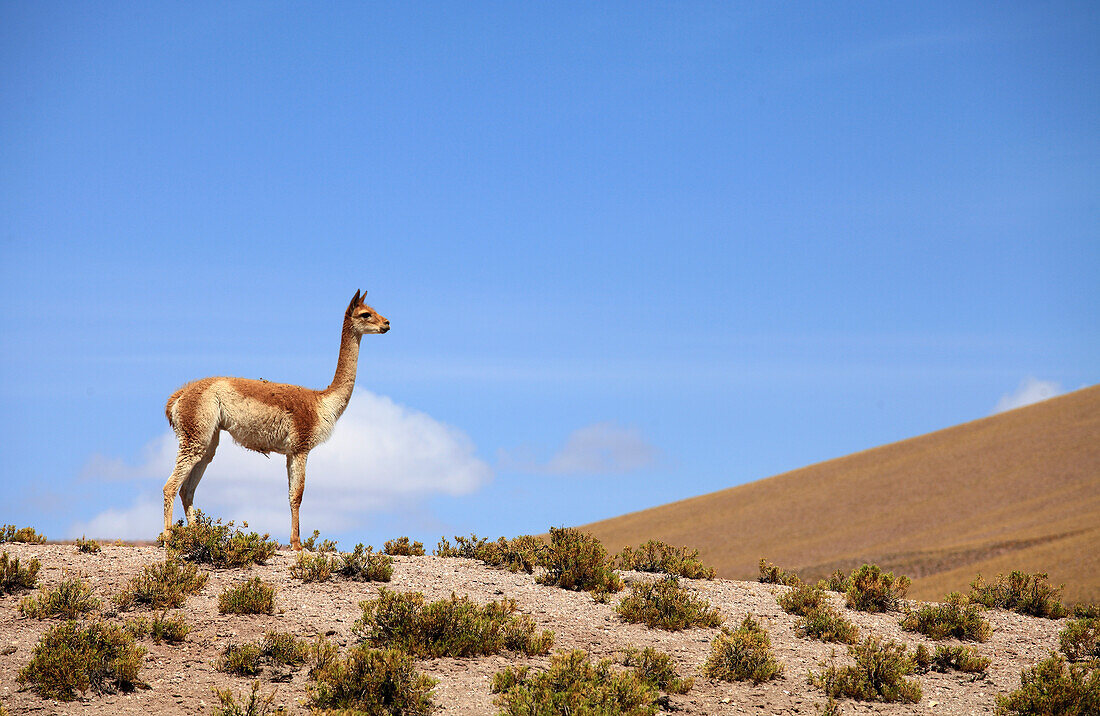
(1017, 490)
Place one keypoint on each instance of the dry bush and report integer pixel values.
(772, 574)
(960, 658)
(743, 655)
(210, 542)
(878, 674)
(838, 581)
(70, 657)
(657, 556)
(448, 627)
(313, 567)
(522, 553)
(827, 624)
(255, 704)
(1080, 640)
(1054, 687)
(14, 577)
(401, 547)
(369, 682)
(162, 586)
(251, 597)
(365, 565)
(573, 685)
(664, 604)
(1020, 592)
(26, 535)
(310, 545)
(172, 630)
(872, 590)
(88, 546)
(802, 600)
(956, 618)
(577, 561)
(71, 599)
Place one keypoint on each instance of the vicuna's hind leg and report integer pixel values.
(187, 492)
(296, 481)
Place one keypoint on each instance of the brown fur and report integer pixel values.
(263, 416)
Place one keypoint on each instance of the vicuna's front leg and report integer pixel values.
(188, 457)
(296, 480)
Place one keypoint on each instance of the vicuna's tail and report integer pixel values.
(171, 403)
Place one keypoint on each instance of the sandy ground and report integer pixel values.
(181, 677)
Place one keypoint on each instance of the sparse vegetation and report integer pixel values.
(956, 618)
(372, 682)
(1020, 592)
(255, 705)
(449, 627)
(72, 658)
(1054, 687)
(772, 574)
(872, 590)
(310, 545)
(838, 581)
(664, 604)
(878, 674)
(401, 547)
(162, 586)
(88, 546)
(744, 654)
(656, 668)
(240, 659)
(251, 597)
(802, 600)
(522, 553)
(14, 577)
(1086, 611)
(577, 561)
(161, 628)
(365, 565)
(210, 542)
(573, 685)
(313, 567)
(26, 535)
(959, 658)
(71, 599)
(1080, 640)
(819, 619)
(657, 556)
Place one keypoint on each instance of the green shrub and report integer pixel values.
(664, 604)
(161, 628)
(241, 660)
(69, 658)
(577, 561)
(364, 565)
(313, 567)
(1020, 592)
(370, 682)
(1086, 611)
(872, 590)
(803, 599)
(209, 542)
(69, 600)
(956, 618)
(520, 553)
(838, 581)
(310, 545)
(27, 535)
(465, 547)
(87, 546)
(14, 578)
(772, 574)
(1080, 640)
(449, 627)
(1054, 687)
(162, 586)
(656, 668)
(878, 674)
(251, 597)
(742, 655)
(827, 624)
(656, 556)
(572, 685)
(255, 705)
(401, 546)
(959, 658)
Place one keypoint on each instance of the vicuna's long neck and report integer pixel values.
(344, 380)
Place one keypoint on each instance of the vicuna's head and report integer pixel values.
(364, 319)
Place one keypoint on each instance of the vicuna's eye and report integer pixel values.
(364, 315)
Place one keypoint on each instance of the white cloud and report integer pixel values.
(1031, 390)
(602, 448)
(380, 455)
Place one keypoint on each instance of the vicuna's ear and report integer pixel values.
(354, 302)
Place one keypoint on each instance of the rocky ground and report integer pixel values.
(181, 678)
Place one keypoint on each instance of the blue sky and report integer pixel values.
(631, 253)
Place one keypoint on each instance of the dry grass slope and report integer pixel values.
(1018, 490)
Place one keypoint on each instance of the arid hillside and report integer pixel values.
(1018, 490)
